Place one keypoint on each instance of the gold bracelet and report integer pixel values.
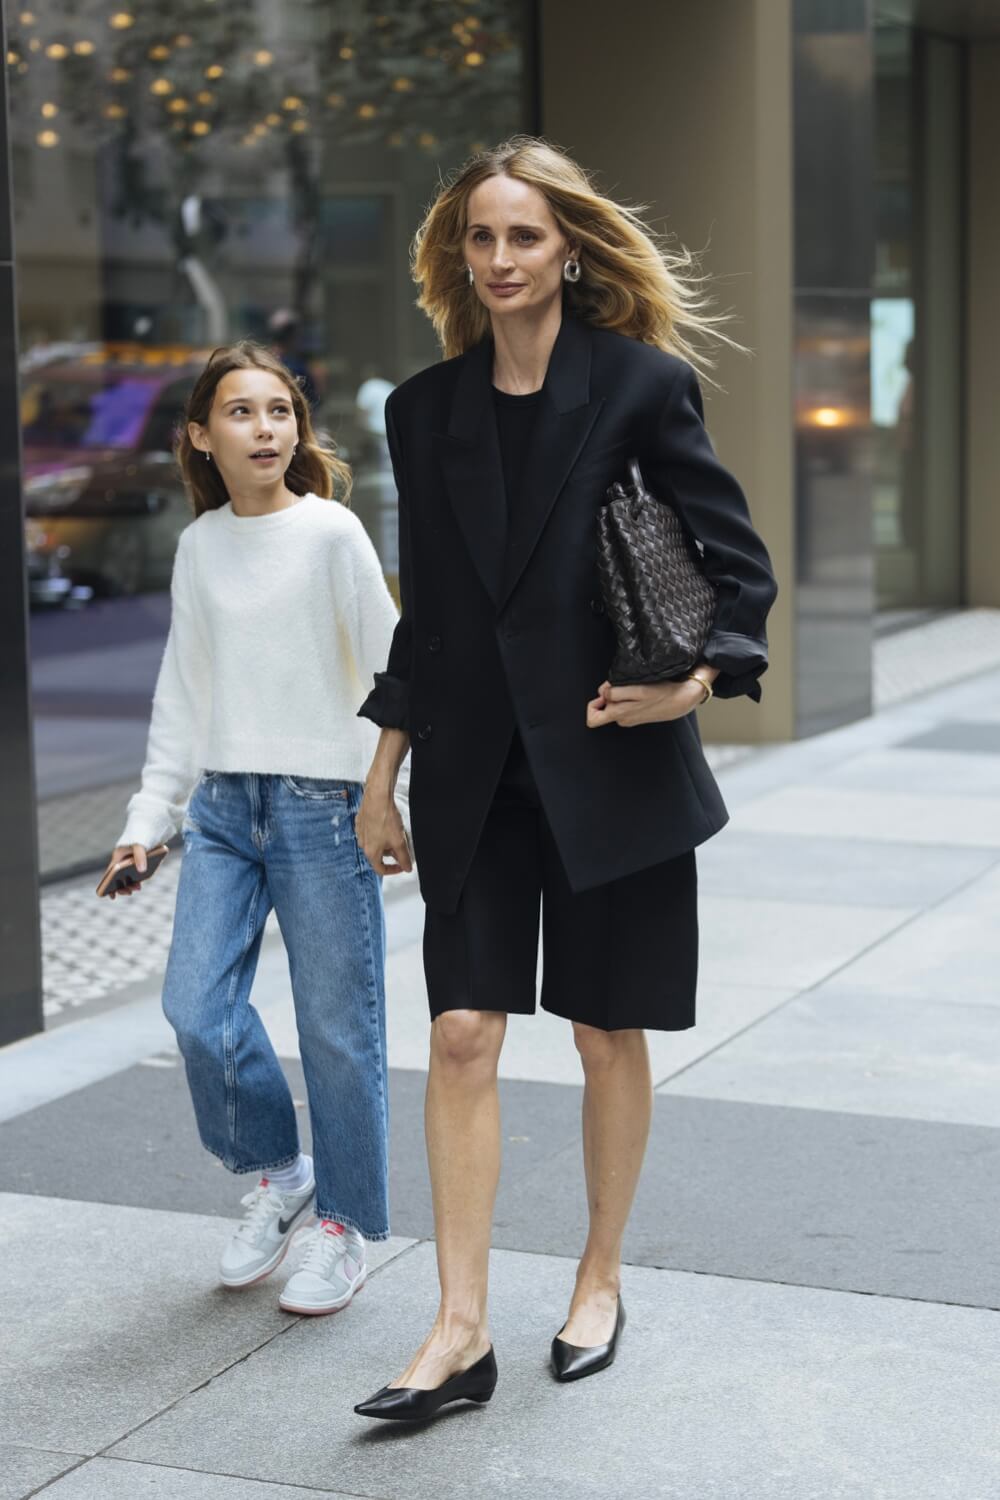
(709, 693)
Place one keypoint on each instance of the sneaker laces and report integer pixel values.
(261, 1205)
(327, 1243)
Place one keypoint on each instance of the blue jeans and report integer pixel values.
(252, 842)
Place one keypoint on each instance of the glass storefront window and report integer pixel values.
(916, 350)
(185, 175)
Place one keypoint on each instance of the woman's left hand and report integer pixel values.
(652, 703)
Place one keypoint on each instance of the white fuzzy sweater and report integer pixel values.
(278, 625)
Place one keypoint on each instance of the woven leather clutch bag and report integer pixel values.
(656, 594)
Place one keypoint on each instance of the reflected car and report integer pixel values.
(100, 478)
(48, 585)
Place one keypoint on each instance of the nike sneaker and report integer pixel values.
(260, 1242)
(332, 1270)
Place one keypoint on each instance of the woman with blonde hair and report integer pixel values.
(280, 614)
(569, 336)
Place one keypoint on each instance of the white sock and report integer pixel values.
(290, 1179)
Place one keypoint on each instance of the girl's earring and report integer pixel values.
(471, 274)
(571, 271)
(208, 458)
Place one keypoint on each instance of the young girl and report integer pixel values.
(280, 615)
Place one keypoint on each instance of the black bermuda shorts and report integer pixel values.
(622, 955)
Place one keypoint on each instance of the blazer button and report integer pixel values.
(434, 644)
(425, 733)
(597, 606)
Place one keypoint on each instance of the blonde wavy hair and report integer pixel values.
(631, 281)
(314, 469)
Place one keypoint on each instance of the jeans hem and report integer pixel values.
(262, 1166)
(349, 1223)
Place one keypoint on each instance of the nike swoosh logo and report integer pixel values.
(284, 1225)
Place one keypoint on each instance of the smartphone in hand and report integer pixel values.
(123, 872)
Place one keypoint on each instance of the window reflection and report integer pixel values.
(184, 176)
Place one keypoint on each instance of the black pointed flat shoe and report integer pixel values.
(570, 1362)
(404, 1403)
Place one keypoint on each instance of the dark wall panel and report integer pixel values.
(834, 250)
(20, 956)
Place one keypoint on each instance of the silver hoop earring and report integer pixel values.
(571, 271)
(472, 279)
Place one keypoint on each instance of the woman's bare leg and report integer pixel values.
(617, 1109)
(462, 1122)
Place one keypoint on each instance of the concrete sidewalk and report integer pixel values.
(812, 1270)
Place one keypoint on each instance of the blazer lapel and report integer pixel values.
(565, 417)
(473, 473)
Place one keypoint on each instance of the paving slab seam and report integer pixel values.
(806, 1286)
(48, 1483)
(817, 984)
(298, 1486)
(202, 1385)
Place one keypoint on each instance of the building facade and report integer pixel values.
(172, 184)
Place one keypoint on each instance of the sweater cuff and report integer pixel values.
(741, 660)
(388, 703)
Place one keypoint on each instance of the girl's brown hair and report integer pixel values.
(314, 469)
(631, 281)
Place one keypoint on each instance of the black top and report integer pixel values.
(515, 420)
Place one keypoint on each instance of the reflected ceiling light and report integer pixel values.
(161, 86)
(402, 85)
(47, 138)
(27, 18)
(115, 111)
(300, 126)
(474, 59)
(121, 20)
(426, 138)
(34, 45)
(367, 111)
(205, 96)
(292, 102)
(119, 75)
(178, 106)
(159, 53)
(83, 49)
(347, 53)
(272, 119)
(57, 51)
(183, 40)
(395, 139)
(335, 100)
(13, 57)
(49, 111)
(215, 71)
(828, 416)
(200, 127)
(263, 58)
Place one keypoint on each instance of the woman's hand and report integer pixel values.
(138, 853)
(652, 703)
(380, 832)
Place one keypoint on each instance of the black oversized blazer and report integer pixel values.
(499, 629)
